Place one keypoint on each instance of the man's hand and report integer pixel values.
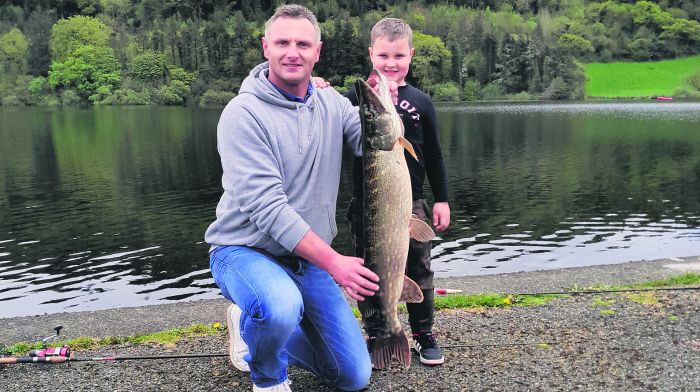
(441, 216)
(320, 82)
(351, 274)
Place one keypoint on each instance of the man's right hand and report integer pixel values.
(350, 273)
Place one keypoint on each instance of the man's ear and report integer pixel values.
(369, 50)
(412, 51)
(264, 46)
(318, 50)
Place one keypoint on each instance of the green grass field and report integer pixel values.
(638, 80)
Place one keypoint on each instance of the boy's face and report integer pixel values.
(392, 58)
(292, 50)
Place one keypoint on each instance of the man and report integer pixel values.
(280, 142)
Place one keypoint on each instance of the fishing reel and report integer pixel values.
(46, 351)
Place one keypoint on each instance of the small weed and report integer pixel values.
(672, 317)
(598, 301)
(607, 312)
(647, 298)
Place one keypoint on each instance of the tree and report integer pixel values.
(574, 45)
(37, 28)
(13, 49)
(88, 69)
(148, 66)
(682, 37)
(67, 35)
(432, 62)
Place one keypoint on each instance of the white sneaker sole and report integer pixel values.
(432, 362)
(233, 317)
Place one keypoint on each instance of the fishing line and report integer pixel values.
(611, 291)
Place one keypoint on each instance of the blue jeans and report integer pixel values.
(294, 315)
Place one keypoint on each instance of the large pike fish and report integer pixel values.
(387, 220)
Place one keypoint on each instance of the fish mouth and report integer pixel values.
(374, 101)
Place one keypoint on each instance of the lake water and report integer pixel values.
(106, 207)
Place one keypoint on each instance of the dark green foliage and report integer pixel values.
(216, 97)
(446, 92)
(175, 52)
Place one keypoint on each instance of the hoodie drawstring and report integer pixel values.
(299, 128)
(314, 115)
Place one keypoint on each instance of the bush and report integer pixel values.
(694, 81)
(69, 97)
(216, 97)
(521, 96)
(557, 89)
(127, 96)
(445, 92)
(686, 93)
(492, 91)
(167, 96)
(472, 90)
(11, 100)
(39, 86)
(175, 93)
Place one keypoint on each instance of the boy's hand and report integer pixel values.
(441, 216)
(393, 87)
(320, 82)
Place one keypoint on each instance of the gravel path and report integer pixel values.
(601, 342)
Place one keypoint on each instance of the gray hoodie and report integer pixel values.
(281, 162)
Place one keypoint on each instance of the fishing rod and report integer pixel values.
(63, 354)
(62, 359)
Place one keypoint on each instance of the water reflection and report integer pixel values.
(107, 207)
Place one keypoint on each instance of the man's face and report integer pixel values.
(292, 50)
(392, 58)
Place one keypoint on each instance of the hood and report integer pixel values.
(257, 84)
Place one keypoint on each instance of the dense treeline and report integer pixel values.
(185, 51)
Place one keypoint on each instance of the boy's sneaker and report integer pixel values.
(428, 349)
(284, 387)
(237, 348)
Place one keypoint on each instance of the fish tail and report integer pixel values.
(392, 346)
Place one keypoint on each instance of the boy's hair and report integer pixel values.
(392, 29)
(294, 11)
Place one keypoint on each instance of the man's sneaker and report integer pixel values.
(428, 349)
(284, 387)
(237, 348)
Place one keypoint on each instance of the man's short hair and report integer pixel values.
(294, 11)
(392, 29)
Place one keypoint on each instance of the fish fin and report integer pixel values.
(407, 145)
(420, 231)
(393, 346)
(411, 292)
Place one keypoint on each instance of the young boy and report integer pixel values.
(390, 51)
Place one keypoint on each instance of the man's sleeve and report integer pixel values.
(352, 129)
(252, 175)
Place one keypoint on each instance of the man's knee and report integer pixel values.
(280, 309)
(355, 377)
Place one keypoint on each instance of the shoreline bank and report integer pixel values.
(153, 318)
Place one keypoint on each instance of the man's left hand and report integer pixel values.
(441, 216)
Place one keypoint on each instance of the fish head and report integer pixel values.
(381, 124)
